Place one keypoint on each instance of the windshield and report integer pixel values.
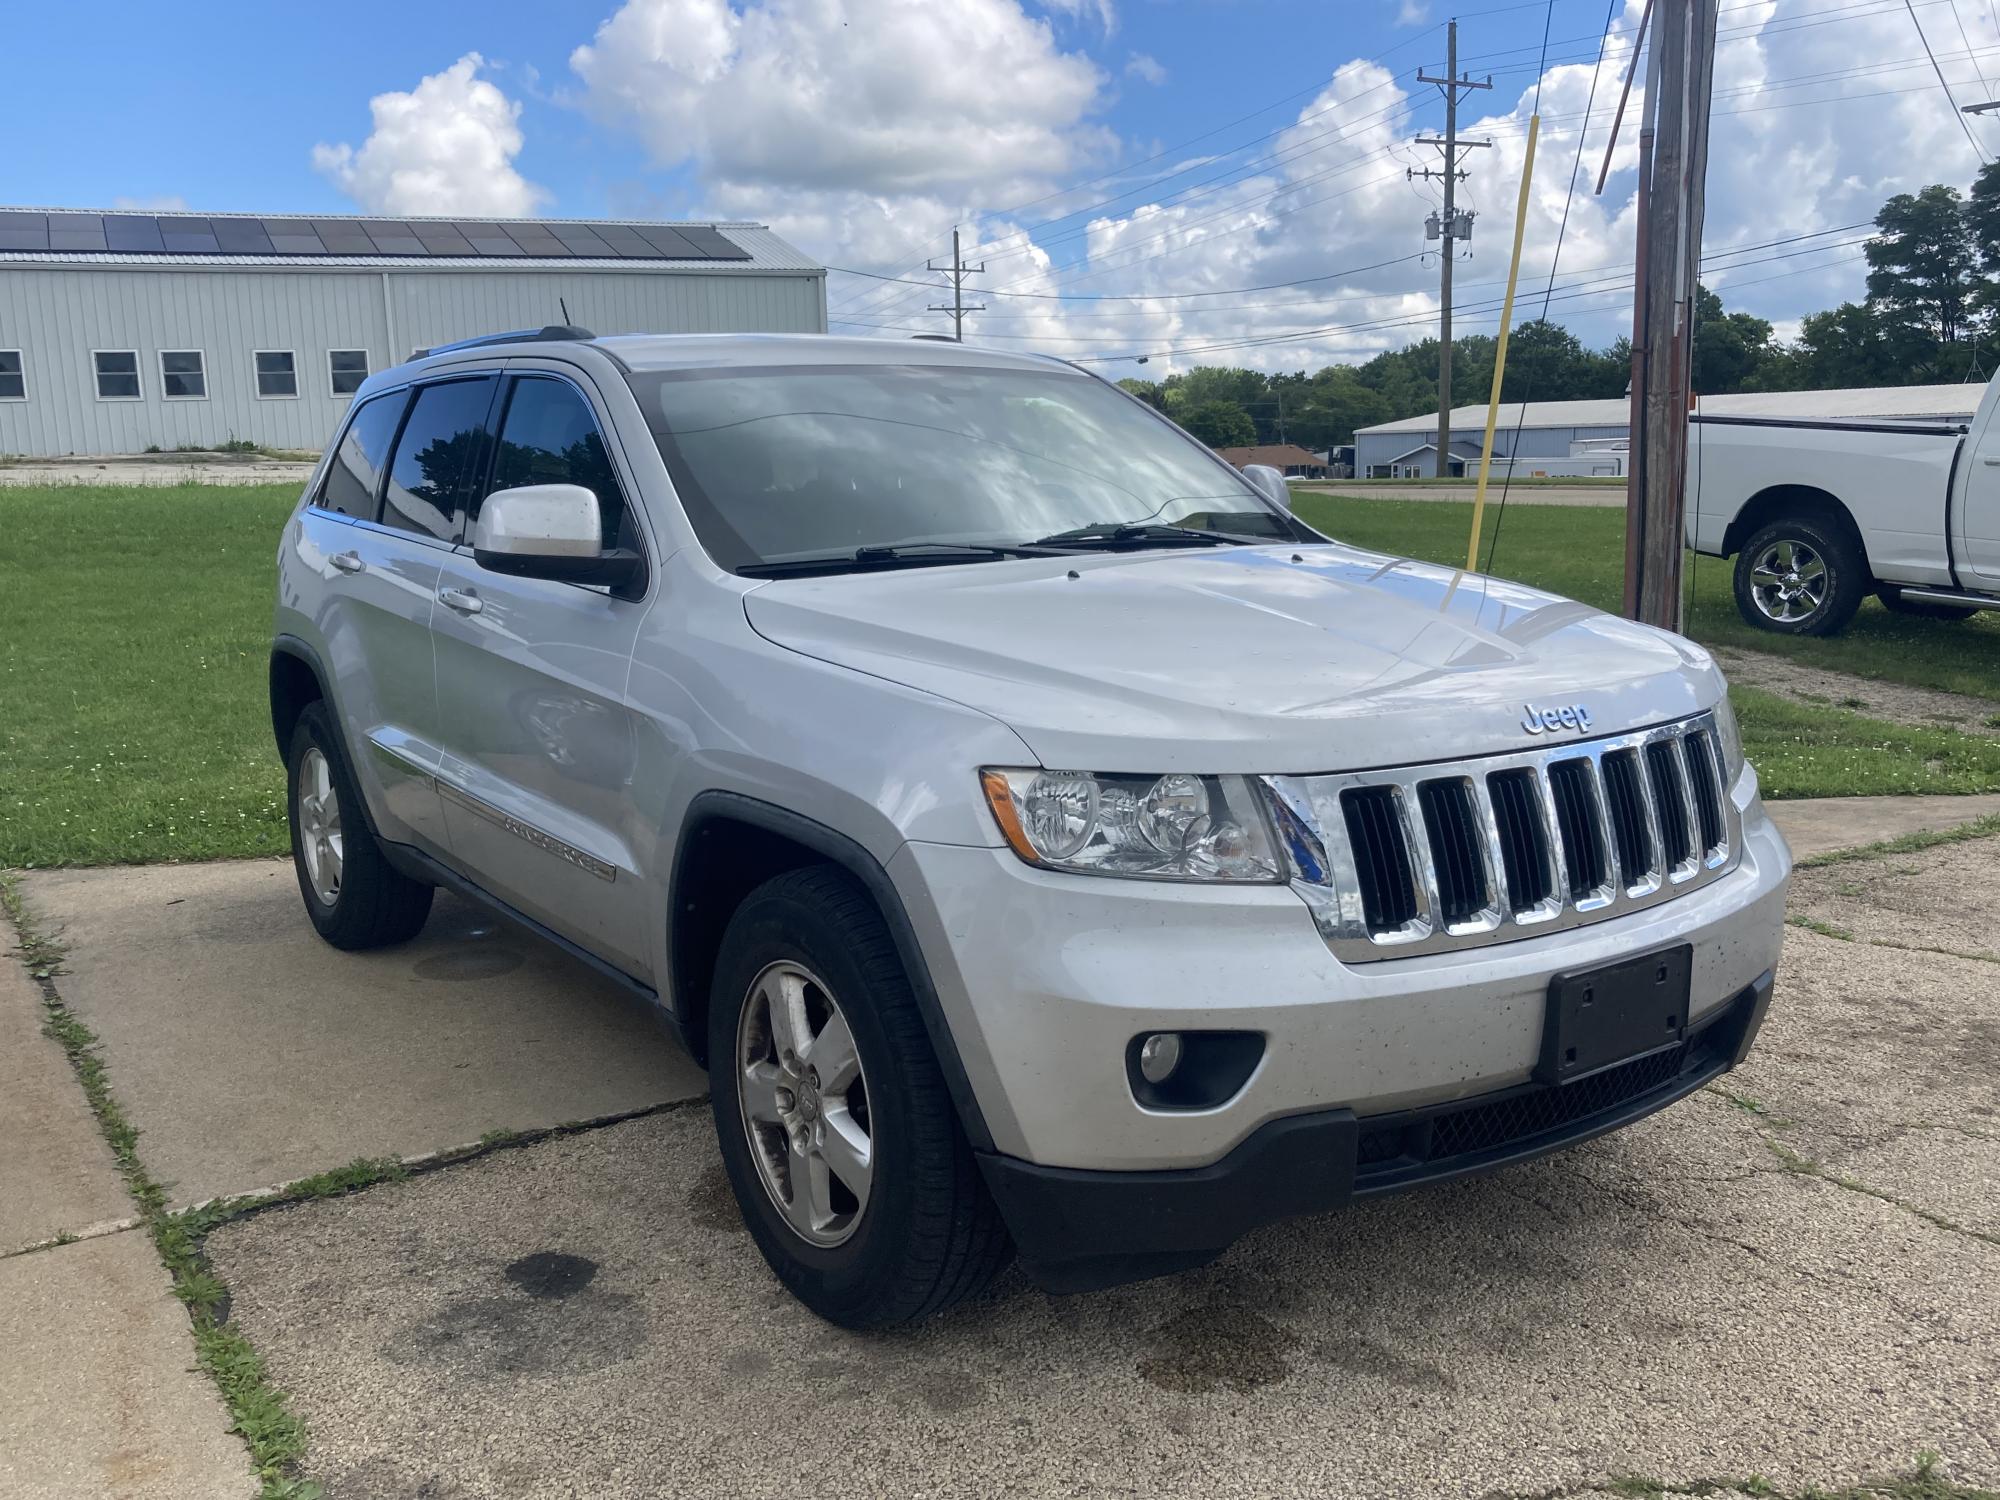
(782, 464)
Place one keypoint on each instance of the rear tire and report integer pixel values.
(1892, 599)
(354, 896)
(1801, 576)
(838, 1134)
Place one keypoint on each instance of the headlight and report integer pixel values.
(1731, 740)
(1174, 827)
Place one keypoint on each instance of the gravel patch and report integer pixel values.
(1922, 708)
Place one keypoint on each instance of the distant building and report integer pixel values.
(1592, 437)
(1289, 459)
(123, 331)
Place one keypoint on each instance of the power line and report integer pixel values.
(1962, 125)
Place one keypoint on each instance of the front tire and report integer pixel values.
(1892, 599)
(354, 896)
(836, 1129)
(1801, 576)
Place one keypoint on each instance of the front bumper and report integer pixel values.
(1043, 980)
(1082, 1230)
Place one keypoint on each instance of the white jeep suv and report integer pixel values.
(1048, 843)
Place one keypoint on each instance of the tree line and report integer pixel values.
(1931, 315)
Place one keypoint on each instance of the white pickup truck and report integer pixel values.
(1819, 513)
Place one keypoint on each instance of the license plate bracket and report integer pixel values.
(1609, 1015)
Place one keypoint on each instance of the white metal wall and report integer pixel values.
(57, 315)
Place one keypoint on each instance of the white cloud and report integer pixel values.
(850, 124)
(155, 203)
(445, 147)
(1102, 11)
(1412, 12)
(1146, 68)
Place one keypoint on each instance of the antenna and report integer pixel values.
(565, 308)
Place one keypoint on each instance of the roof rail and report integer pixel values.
(553, 333)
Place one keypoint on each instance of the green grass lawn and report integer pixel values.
(1580, 552)
(135, 636)
(135, 632)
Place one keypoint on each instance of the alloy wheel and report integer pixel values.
(1789, 581)
(319, 824)
(804, 1104)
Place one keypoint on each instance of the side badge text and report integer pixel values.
(1548, 720)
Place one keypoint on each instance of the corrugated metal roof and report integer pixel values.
(767, 253)
(1915, 402)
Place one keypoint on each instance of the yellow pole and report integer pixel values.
(1499, 353)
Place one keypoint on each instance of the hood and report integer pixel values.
(1273, 659)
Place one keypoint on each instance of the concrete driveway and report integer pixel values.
(1794, 1275)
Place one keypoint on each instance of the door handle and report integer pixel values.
(347, 562)
(1991, 463)
(465, 601)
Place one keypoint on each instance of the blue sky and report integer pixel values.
(864, 129)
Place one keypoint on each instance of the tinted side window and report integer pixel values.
(352, 479)
(550, 436)
(440, 452)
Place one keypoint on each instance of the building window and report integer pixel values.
(13, 382)
(277, 374)
(183, 375)
(117, 374)
(347, 368)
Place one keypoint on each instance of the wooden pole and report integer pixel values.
(1500, 349)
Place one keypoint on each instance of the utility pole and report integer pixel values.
(1673, 163)
(958, 270)
(1453, 227)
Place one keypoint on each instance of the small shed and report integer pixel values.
(1288, 459)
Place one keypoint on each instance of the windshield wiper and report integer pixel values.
(900, 552)
(1142, 531)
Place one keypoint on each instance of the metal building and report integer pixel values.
(124, 331)
(1592, 437)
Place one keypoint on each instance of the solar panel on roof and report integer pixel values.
(343, 237)
(137, 234)
(488, 239)
(20, 231)
(580, 240)
(442, 239)
(243, 237)
(393, 238)
(535, 239)
(187, 236)
(712, 244)
(668, 242)
(625, 241)
(76, 232)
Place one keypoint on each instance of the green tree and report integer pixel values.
(1147, 391)
(1923, 267)
(1220, 424)
(1546, 362)
(1729, 348)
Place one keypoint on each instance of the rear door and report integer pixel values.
(538, 739)
(375, 587)
(1975, 518)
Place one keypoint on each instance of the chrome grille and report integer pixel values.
(1448, 856)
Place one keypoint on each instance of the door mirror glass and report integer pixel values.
(548, 531)
(1270, 484)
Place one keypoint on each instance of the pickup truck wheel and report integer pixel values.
(1892, 599)
(1800, 577)
(836, 1130)
(355, 897)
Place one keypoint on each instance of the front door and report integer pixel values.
(1975, 518)
(538, 740)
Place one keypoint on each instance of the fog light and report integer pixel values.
(1159, 1055)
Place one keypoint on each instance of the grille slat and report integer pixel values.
(1381, 858)
(1583, 837)
(1524, 842)
(1663, 765)
(1449, 818)
(1454, 854)
(1706, 777)
(1628, 815)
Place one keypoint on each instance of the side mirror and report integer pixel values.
(550, 531)
(1269, 483)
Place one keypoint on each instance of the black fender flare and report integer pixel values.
(838, 849)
